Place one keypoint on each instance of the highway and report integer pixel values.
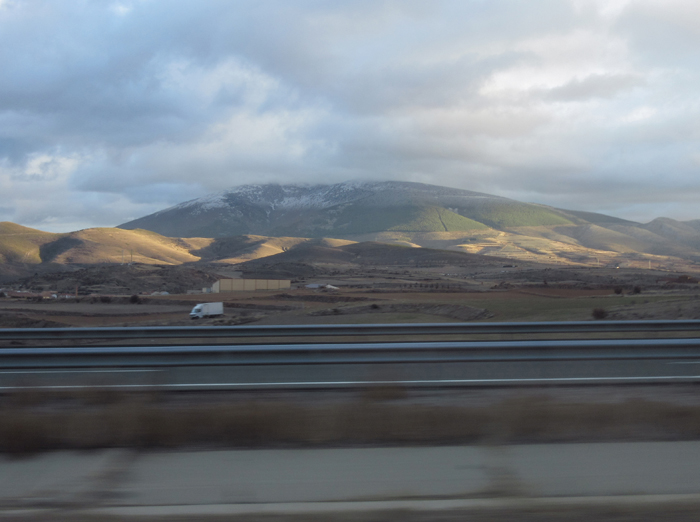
(345, 365)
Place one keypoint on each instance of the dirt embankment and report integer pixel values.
(458, 312)
(24, 321)
(323, 298)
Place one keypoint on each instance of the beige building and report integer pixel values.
(242, 285)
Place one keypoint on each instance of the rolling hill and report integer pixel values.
(90, 246)
(294, 224)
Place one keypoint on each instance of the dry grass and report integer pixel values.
(677, 512)
(103, 420)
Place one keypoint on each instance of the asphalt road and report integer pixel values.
(122, 482)
(471, 373)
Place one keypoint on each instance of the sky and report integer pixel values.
(110, 111)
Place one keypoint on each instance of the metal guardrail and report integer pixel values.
(215, 360)
(231, 332)
(365, 353)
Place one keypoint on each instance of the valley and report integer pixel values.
(394, 251)
(490, 291)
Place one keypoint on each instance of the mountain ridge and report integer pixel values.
(343, 210)
(263, 221)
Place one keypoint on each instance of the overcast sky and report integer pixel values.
(113, 110)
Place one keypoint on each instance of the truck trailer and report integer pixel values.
(203, 310)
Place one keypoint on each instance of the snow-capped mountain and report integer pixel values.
(346, 210)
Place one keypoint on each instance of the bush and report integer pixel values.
(599, 313)
(105, 299)
(637, 290)
(134, 299)
(618, 290)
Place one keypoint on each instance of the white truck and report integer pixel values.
(203, 310)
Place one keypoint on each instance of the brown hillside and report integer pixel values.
(366, 254)
(239, 249)
(112, 245)
(20, 244)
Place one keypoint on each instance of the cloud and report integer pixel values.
(595, 86)
(112, 110)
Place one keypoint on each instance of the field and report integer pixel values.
(302, 307)
(365, 295)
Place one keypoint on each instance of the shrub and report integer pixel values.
(618, 290)
(599, 313)
(105, 299)
(134, 299)
(637, 290)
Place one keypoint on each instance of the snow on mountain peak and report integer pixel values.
(281, 196)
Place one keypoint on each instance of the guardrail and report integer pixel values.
(461, 329)
(298, 364)
(446, 364)
(365, 353)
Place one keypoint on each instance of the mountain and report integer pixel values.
(415, 214)
(345, 210)
(294, 224)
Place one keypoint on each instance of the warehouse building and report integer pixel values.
(243, 285)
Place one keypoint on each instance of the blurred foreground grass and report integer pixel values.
(627, 512)
(33, 421)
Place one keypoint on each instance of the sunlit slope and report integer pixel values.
(348, 221)
(575, 242)
(364, 254)
(362, 220)
(112, 245)
(620, 238)
(244, 248)
(600, 238)
(25, 245)
(505, 213)
(20, 244)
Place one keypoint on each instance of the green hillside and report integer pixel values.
(436, 219)
(595, 218)
(363, 220)
(504, 214)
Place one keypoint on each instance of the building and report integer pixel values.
(243, 285)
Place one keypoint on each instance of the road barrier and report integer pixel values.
(570, 328)
(294, 364)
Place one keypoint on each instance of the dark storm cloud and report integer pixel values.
(109, 111)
